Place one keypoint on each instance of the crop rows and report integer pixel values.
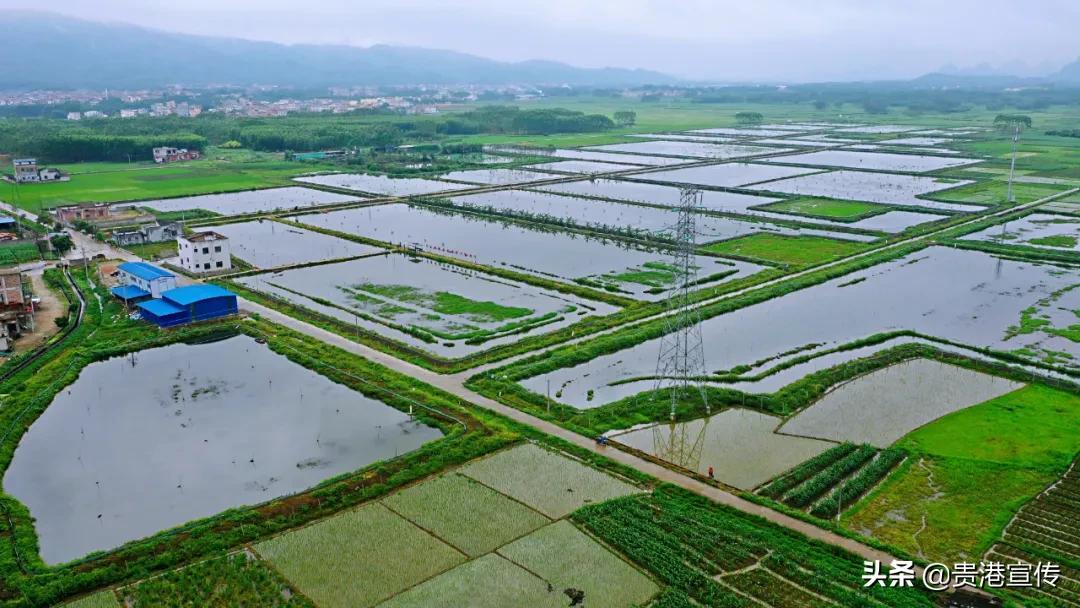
(806, 470)
(1067, 590)
(859, 484)
(808, 491)
(1051, 522)
(685, 540)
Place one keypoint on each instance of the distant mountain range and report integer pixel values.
(46, 50)
(985, 75)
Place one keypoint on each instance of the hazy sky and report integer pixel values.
(796, 40)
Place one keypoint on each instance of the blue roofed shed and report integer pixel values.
(202, 302)
(162, 313)
(148, 277)
(130, 293)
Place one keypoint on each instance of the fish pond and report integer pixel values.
(382, 185)
(629, 269)
(444, 309)
(605, 215)
(741, 446)
(873, 161)
(688, 149)
(268, 244)
(1039, 230)
(884, 188)
(151, 440)
(250, 201)
(968, 297)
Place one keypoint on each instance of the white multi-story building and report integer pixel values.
(204, 252)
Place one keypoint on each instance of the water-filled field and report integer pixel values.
(407, 299)
(1040, 230)
(728, 175)
(964, 296)
(740, 445)
(609, 157)
(884, 188)
(791, 141)
(762, 132)
(267, 244)
(690, 149)
(151, 440)
(523, 247)
(496, 176)
(381, 184)
(600, 214)
(583, 166)
(656, 194)
(879, 129)
(250, 201)
(916, 141)
(731, 202)
(682, 137)
(881, 407)
(875, 161)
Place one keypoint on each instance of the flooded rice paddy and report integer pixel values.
(916, 141)
(740, 445)
(250, 201)
(403, 298)
(884, 188)
(583, 166)
(609, 157)
(588, 213)
(879, 129)
(874, 161)
(151, 440)
(968, 297)
(881, 407)
(528, 248)
(762, 132)
(496, 176)
(690, 149)
(267, 244)
(382, 185)
(1039, 230)
(729, 175)
(729, 202)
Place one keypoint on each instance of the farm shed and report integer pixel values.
(163, 313)
(147, 277)
(202, 302)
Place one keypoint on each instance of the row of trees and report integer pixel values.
(73, 147)
(132, 139)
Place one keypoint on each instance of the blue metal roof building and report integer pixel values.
(146, 272)
(130, 293)
(203, 301)
(147, 277)
(188, 304)
(163, 314)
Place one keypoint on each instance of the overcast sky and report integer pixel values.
(793, 40)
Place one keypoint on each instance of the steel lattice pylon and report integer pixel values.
(680, 364)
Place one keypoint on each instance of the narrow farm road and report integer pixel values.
(453, 385)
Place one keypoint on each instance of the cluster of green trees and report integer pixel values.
(131, 139)
(81, 146)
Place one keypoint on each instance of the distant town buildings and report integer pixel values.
(172, 155)
(204, 252)
(27, 171)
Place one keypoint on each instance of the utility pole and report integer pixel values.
(1012, 165)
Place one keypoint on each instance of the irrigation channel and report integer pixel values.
(454, 384)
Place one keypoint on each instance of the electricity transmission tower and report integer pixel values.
(680, 363)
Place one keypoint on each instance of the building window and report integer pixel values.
(219, 264)
(206, 266)
(217, 249)
(206, 250)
